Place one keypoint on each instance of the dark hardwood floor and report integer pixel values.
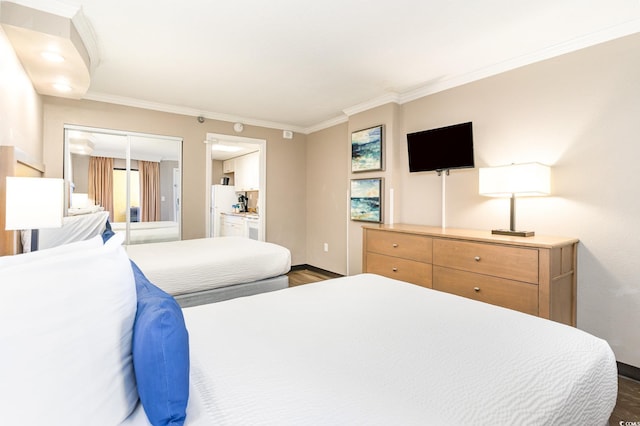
(307, 276)
(627, 408)
(628, 405)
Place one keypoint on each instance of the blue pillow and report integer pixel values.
(108, 233)
(160, 354)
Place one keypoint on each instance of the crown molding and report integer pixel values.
(373, 103)
(608, 34)
(88, 37)
(442, 84)
(156, 106)
(326, 124)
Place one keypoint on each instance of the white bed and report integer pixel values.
(213, 269)
(370, 350)
(149, 232)
(92, 341)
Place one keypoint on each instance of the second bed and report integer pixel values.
(209, 270)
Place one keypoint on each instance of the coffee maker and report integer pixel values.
(242, 202)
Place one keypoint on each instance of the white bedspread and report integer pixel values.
(121, 226)
(186, 266)
(149, 232)
(366, 350)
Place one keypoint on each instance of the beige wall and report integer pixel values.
(216, 172)
(286, 179)
(387, 115)
(578, 113)
(327, 192)
(20, 105)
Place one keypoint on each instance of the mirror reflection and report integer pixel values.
(136, 178)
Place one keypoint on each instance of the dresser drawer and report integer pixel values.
(514, 263)
(515, 295)
(400, 269)
(413, 247)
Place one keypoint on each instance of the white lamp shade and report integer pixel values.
(521, 180)
(34, 203)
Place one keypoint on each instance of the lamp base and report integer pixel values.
(513, 233)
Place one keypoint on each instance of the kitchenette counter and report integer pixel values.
(243, 214)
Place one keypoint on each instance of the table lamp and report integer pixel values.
(515, 180)
(34, 203)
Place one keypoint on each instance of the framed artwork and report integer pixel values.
(366, 199)
(366, 150)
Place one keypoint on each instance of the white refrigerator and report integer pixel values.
(223, 197)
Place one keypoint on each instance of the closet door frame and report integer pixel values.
(132, 139)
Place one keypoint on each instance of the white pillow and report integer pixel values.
(74, 228)
(65, 338)
(78, 246)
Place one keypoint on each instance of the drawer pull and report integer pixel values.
(477, 258)
(394, 269)
(476, 289)
(395, 245)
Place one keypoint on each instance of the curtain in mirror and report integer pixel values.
(101, 183)
(149, 190)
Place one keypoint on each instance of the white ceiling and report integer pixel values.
(303, 65)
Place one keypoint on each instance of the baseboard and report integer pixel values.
(315, 269)
(629, 371)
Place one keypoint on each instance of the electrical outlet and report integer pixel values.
(326, 246)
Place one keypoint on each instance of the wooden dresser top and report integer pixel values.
(540, 241)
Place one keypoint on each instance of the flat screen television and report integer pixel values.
(440, 149)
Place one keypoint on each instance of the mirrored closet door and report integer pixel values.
(134, 177)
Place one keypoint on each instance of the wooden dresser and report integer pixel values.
(535, 275)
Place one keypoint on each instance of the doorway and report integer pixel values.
(259, 145)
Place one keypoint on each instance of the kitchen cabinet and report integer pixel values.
(232, 226)
(240, 225)
(228, 166)
(535, 275)
(247, 172)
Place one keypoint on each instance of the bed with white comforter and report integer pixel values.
(368, 350)
(206, 264)
(89, 340)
